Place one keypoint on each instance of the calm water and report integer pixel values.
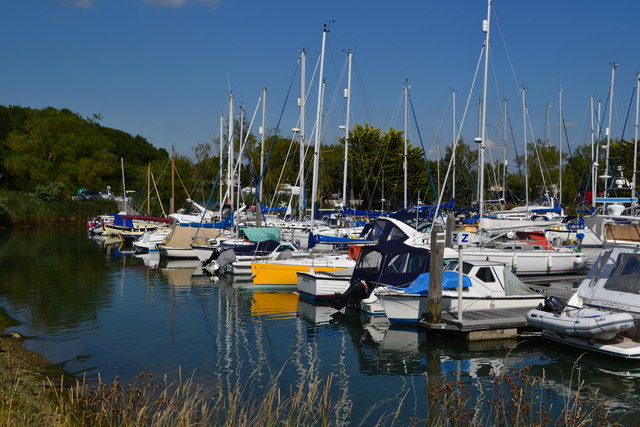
(94, 308)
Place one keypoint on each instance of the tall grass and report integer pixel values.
(19, 208)
(514, 397)
(153, 402)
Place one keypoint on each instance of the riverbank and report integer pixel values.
(25, 398)
(23, 209)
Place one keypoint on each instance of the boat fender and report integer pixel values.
(514, 262)
(578, 261)
(549, 262)
(354, 252)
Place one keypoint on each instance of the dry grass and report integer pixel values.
(516, 397)
(152, 402)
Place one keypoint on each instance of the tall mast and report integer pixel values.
(560, 126)
(594, 164)
(406, 130)
(347, 94)
(504, 167)
(239, 163)
(485, 27)
(635, 138)
(230, 151)
(453, 151)
(303, 100)
(262, 136)
(606, 173)
(173, 180)
(149, 188)
(316, 150)
(526, 154)
(221, 156)
(124, 189)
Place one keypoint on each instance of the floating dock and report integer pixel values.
(501, 323)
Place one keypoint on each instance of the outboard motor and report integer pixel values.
(225, 258)
(552, 304)
(356, 292)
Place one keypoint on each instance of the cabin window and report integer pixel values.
(626, 275)
(284, 248)
(406, 263)
(453, 266)
(396, 234)
(370, 262)
(485, 274)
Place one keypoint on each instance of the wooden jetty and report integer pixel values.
(501, 323)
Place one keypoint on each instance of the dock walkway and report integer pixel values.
(502, 323)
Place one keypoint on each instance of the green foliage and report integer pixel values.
(38, 147)
(50, 191)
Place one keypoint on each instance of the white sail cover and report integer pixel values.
(491, 224)
(614, 281)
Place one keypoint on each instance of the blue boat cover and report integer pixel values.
(420, 286)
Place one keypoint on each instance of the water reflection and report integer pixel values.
(100, 308)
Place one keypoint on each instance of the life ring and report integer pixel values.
(354, 252)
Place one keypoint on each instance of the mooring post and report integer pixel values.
(451, 223)
(434, 303)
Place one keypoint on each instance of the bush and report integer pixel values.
(51, 191)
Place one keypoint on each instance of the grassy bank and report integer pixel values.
(20, 209)
(34, 394)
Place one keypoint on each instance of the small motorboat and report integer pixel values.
(555, 316)
(601, 315)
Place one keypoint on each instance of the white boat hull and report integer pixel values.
(586, 322)
(531, 263)
(322, 286)
(409, 308)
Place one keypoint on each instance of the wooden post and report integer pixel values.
(434, 303)
(451, 223)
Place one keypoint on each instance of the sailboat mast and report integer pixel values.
(303, 100)
(594, 165)
(453, 151)
(124, 189)
(504, 164)
(406, 131)
(230, 151)
(606, 173)
(483, 135)
(526, 154)
(172, 208)
(560, 126)
(316, 150)
(221, 156)
(635, 138)
(347, 94)
(239, 163)
(262, 135)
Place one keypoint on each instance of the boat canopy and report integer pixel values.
(614, 281)
(391, 263)
(420, 286)
(260, 234)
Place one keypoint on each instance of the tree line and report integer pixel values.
(54, 152)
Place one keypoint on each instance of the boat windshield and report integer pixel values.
(370, 262)
(626, 275)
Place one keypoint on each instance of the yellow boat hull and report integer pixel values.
(281, 275)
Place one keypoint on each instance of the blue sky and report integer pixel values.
(163, 68)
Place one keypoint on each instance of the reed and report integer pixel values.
(515, 397)
(151, 402)
(19, 208)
